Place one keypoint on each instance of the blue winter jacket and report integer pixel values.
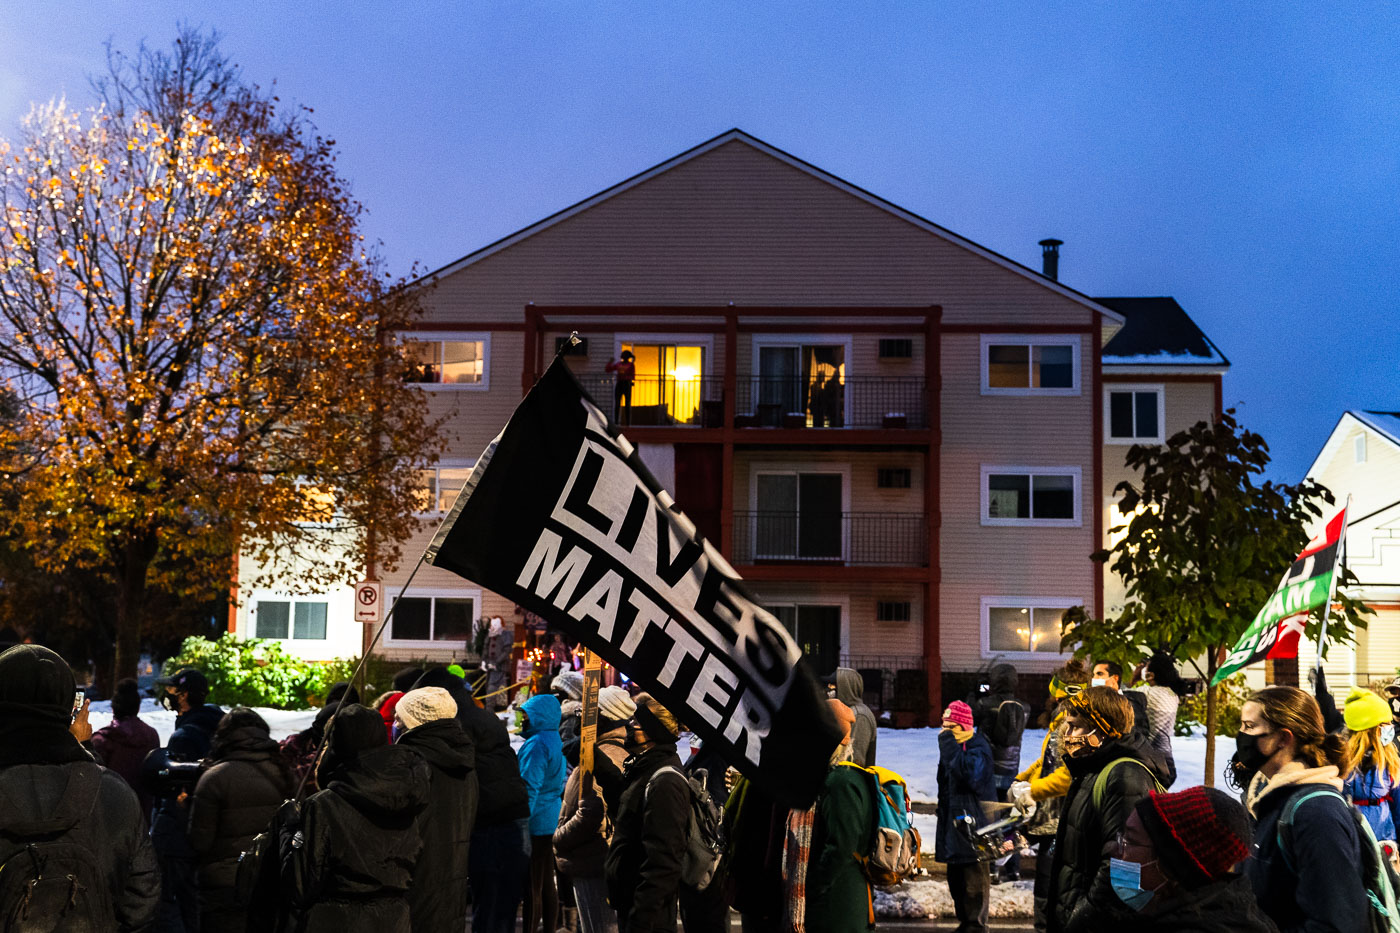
(1375, 797)
(542, 763)
(964, 781)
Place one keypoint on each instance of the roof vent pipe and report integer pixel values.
(1050, 258)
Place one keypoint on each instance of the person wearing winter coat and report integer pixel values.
(838, 897)
(1174, 869)
(185, 691)
(1046, 782)
(1161, 697)
(402, 683)
(542, 767)
(124, 743)
(965, 782)
(580, 841)
(235, 799)
(53, 793)
(1304, 877)
(1373, 784)
(848, 686)
(1001, 717)
(499, 857)
(1098, 740)
(347, 853)
(650, 825)
(301, 749)
(425, 720)
(567, 687)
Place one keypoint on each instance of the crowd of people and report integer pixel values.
(413, 811)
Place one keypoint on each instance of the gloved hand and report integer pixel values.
(1020, 795)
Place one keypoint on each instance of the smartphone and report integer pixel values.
(78, 698)
(984, 688)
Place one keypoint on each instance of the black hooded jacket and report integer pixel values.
(234, 801)
(1001, 718)
(52, 792)
(643, 867)
(348, 859)
(502, 795)
(1226, 906)
(1080, 894)
(437, 899)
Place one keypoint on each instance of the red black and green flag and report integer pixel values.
(1309, 583)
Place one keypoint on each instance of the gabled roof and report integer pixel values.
(1385, 423)
(1158, 332)
(740, 136)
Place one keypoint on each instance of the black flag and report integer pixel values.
(561, 516)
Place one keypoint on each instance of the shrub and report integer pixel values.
(258, 672)
(1191, 714)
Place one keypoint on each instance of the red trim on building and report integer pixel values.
(816, 572)
(468, 326)
(726, 496)
(1098, 464)
(933, 512)
(1020, 329)
(1219, 397)
(1162, 377)
(528, 372)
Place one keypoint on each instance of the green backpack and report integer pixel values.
(1101, 781)
(1376, 873)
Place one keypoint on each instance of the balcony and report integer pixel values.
(869, 539)
(842, 402)
(664, 401)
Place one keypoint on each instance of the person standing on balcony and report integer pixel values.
(626, 373)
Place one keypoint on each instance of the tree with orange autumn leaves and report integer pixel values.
(199, 344)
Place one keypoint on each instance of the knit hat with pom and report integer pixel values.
(958, 713)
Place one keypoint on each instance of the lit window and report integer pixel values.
(1031, 629)
(668, 383)
(436, 490)
(1030, 496)
(1013, 365)
(1134, 414)
(449, 361)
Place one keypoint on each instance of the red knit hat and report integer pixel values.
(1200, 834)
(960, 713)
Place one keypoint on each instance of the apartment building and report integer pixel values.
(904, 441)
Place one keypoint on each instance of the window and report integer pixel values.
(893, 478)
(798, 515)
(1017, 365)
(817, 631)
(442, 619)
(1023, 627)
(1358, 448)
(562, 347)
(449, 360)
(307, 619)
(669, 384)
(1045, 496)
(437, 488)
(896, 348)
(887, 611)
(800, 377)
(1134, 414)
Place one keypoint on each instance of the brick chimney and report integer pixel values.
(1050, 258)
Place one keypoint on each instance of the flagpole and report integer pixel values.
(1332, 590)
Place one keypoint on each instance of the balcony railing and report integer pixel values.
(668, 401)
(852, 402)
(897, 539)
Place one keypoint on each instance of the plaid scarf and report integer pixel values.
(797, 854)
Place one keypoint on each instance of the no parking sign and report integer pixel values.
(368, 597)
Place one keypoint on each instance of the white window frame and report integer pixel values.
(1135, 387)
(1072, 341)
(433, 594)
(437, 482)
(1021, 602)
(430, 336)
(291, 602)
(799, 599)
(794, 468)
(797, 340)
(985, 497)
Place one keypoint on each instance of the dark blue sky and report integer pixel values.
(1243, 158)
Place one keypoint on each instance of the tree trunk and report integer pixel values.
(131, 605)
(1212, 716)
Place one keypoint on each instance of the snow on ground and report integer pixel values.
(928, 897)
(281, 722)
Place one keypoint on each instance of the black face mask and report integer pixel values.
(1247, 753)
(1395, 708)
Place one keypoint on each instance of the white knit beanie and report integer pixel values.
(569, 683)
(425, 705)
(614, 703)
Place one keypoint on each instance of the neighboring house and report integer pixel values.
(902, 440)
(1361, 459)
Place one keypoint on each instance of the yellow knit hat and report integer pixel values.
(1365, 710)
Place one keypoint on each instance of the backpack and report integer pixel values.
(48, 883)
(1101, 780)
(895, 844)
(1377, 875)
(1007, 723)
(704, 837)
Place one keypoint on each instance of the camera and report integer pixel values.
(164, 778)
